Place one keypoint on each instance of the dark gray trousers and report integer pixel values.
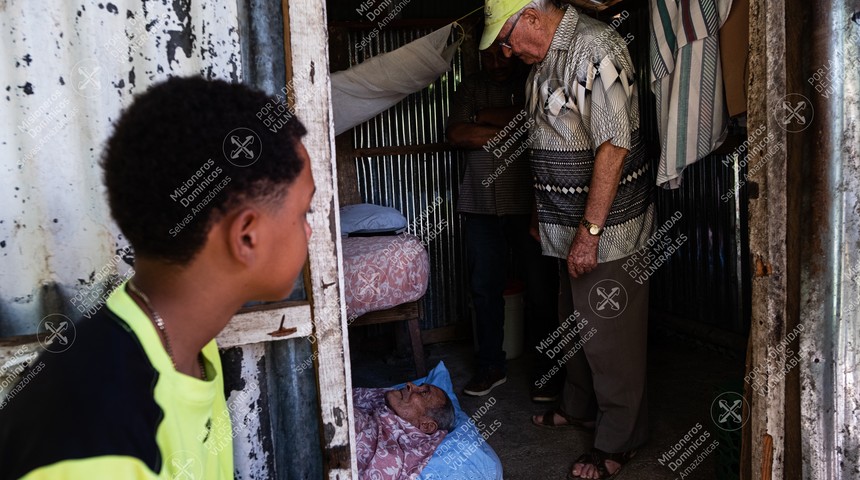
(606, 362)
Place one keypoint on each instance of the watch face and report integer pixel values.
(594, 229)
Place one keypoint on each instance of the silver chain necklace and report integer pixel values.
(159, 323)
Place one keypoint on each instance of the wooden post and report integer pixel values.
(767, 457)
(775, 229)
(307, 65)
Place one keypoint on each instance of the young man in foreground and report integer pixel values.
(215, 209)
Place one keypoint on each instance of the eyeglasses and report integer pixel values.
(504, 43)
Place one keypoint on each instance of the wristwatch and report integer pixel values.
(593, 229)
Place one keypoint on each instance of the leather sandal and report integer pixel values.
(598, 459)
(548, 421)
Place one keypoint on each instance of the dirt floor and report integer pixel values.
(686, 381)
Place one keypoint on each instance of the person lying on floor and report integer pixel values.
(397, 431)
(139, 393)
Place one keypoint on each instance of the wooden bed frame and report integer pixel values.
(411, 313)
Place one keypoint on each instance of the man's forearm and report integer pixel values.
(489, 122)
(608, 165)
(499, 116)
(470, 135)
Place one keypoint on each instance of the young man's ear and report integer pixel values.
(428, 426)
(243, 235)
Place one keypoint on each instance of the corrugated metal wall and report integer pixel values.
(66, 71)
(423, 186)
(830, 238)
(706, 281)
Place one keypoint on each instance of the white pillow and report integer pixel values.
(364, 217)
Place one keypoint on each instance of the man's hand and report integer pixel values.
(500, 116)
(608, 163)
(534, 225)
(582, 257)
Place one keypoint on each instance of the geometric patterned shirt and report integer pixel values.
(581, 95)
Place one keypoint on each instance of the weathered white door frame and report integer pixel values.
(307, 64)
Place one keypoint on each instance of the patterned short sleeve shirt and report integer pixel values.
(582, 95)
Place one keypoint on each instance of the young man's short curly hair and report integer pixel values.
(167, 166)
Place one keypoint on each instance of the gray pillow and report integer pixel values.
(368, 218)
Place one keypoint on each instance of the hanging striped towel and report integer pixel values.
(687, 79)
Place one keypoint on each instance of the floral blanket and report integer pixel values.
(388, 447)
(382, 272)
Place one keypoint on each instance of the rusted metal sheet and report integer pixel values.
(804, 238)
(68, 69)
(830, 371)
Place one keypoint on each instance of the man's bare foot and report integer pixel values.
(599, 465)
(588, 470)
(557, 418)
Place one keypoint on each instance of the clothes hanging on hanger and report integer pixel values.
(687, 79)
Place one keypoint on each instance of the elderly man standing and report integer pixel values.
(595, 209)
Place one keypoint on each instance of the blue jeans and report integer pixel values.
(498, 248)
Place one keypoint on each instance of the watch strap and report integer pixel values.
(592, 228)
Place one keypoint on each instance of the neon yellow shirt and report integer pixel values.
(112, 406)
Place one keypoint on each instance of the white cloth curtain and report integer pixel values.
(375, 85)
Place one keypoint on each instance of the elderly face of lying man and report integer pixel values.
(417, 405)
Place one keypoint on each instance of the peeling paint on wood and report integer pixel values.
(308, 47)
(256, 326)
(767, 226)
(62, 92)
(247, 402)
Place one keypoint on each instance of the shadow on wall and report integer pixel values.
(48, 299)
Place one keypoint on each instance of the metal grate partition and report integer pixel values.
(402, 161)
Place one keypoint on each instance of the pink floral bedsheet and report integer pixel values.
(382, 272)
